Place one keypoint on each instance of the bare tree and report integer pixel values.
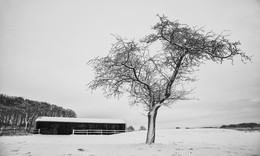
(157, 79)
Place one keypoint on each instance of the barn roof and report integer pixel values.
(79, 120)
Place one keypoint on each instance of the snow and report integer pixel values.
(79, 120)
(169, 142)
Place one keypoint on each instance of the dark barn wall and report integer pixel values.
(67, 127)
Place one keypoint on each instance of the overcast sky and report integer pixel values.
(45, 45)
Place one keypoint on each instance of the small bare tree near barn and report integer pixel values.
(157, 79)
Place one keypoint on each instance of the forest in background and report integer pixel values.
(18, 112)
(243, 126)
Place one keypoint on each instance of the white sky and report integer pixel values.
(45, 44)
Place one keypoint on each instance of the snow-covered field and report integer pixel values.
(169, 142)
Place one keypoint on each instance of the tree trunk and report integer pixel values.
(26, 121)
(150, 138)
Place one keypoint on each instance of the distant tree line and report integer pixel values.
(20, 112)
(241, 125)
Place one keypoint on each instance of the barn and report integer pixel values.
(63, 125)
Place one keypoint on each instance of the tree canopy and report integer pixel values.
(151, 79)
